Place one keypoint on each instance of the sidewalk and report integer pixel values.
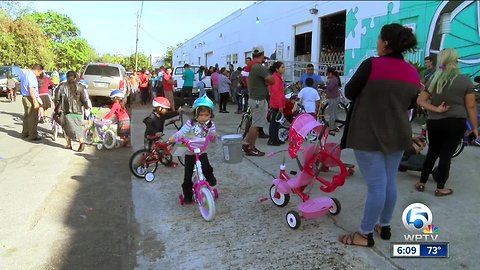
(249, 234)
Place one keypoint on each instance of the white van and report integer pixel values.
(177, 76)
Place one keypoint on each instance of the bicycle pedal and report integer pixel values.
(293, 172)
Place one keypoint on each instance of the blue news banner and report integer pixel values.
(420, 250)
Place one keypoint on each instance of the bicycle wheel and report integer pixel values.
(283, 134)
(88, 136)
(180, 159)
(142, 162)
(342, 112)
(206, 204)
(244, 125)
(109, 139)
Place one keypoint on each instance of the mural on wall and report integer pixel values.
(437, 24)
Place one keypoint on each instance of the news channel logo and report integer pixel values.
(417, 218)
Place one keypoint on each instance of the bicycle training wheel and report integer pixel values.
(142, 162)
(207, 205)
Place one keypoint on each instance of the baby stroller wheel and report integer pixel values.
(335, 208)
(278, 198)
(293, 220)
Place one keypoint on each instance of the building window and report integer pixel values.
(235, 58)
(229, 59)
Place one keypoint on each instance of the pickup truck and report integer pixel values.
(177, 76)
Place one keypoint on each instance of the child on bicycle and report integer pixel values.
(155, 122)
(120, 111)
(199, 127)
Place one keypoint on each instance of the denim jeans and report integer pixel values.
(379, 170)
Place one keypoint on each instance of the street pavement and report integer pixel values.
(250, 232)
(65, 210)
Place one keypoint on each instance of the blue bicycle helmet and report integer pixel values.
(63, 78)
(117, 93)
(202, 101)
(84, 83)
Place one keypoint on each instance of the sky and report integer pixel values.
(110, 26)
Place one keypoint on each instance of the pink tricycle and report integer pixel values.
(315, 157)
(203, 194)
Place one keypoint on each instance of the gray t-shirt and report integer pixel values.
(454, 96)
(257, 86)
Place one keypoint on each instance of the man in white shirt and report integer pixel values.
(309, 97)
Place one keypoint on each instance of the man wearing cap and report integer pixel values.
(258, 79)
(30, 97)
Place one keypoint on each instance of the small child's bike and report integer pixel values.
(203, 193)
(101, 133)
(144, 162)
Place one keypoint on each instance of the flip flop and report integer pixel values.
(441, 194)
(420, 187)
(357, 239)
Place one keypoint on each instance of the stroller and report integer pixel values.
(314, 158)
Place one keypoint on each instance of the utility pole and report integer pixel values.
(139, 17)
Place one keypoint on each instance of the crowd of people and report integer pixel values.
(381, 91)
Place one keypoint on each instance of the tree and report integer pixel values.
(70, 50)
(22, 43)
(167, 58)
(143, 62)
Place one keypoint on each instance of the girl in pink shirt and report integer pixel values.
(120, 111)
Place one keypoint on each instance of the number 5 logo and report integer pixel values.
(416, 217)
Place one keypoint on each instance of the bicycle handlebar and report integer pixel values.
(187, 143)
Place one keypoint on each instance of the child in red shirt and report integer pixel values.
(120, 111)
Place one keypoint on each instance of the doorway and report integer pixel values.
(332, 37)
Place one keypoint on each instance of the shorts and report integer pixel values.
(46, 101)
(259, 109)
(123, 129)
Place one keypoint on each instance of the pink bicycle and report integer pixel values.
(315, 158)
(203, 193)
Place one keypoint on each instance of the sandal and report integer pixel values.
(385, 232)
(420, 187)
(357, 239)
(439, 193)
(68, 147)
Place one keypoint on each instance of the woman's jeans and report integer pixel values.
(443, 137)
(332, 112)
(379, 170)
(274, 126)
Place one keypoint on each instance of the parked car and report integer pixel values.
(102, 78)
(17, 74)
(177, 76)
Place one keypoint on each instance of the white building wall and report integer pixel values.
(239, 32)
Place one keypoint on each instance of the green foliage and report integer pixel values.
(143, 62)
(59, 28)
(22, 43)
(167, 58)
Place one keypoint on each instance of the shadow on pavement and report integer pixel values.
(100, 214)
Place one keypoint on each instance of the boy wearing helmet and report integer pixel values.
(155, 122)
(120, 111)
(199, 127)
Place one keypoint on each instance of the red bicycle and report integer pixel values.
(145, 161)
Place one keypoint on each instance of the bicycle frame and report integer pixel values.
(198, 178)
